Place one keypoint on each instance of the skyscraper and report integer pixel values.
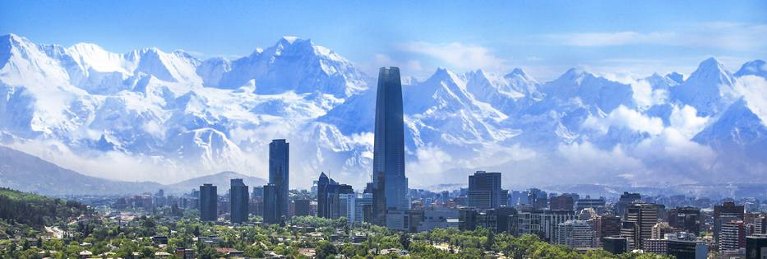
(485, 190)
(239, 201)
(271, 212)
(725, 213)
(645, 216)
(328, 197)
(279, 154)
(389, 179)
(208, 202)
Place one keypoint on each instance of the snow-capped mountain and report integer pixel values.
(165, 116)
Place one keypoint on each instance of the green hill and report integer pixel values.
(35, 210)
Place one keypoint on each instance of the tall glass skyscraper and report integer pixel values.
(208, 202)
(279, 151)
(389, 181)
(238, 200)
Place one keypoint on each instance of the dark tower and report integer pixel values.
(389, 147)
(271, 212)
(239, 201)
(208, 202)
(279, 151)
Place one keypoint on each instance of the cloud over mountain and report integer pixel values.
(167, 116)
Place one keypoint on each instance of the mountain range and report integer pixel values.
(151, 115)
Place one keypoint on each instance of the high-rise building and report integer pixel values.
(732, 235)
(258, 193)
(564, 202)
(597, 204)
(542, 223)
(271, 207)
(329, 198)
(389, 179)
(208, 202)
(238, 200)
(724, 213)
(608, 226)
(645, 215)
(756, 247)
(683, 245)
(303, 207)
(279, 174)
(660, 230)
(364, 203)
(760, 225)
(685, 218)
(537, 199)
(575, 234)
(485, 190)
(629, 231)
(625, 200)
(615, 245)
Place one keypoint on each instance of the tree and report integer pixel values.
(490, 241)
(325, 249)
(404, 240)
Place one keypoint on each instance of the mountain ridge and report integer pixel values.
(183, 116)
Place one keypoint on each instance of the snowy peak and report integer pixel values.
(292, 64)
(755, 67)
(575, 76)
(706, 89)
(579, 86)
(710, 70)
(737, 129)
(677, 77)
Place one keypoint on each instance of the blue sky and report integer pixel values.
(625, 38)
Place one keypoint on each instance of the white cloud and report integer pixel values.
(721, 35)
(685, 120)
(601, 39)
(458, 55)
(625, 118)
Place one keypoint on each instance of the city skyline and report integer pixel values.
(398, 129)
(138, 113)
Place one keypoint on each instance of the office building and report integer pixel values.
(575, 234)
(687, 219)
(732, 236)
(537, 199)
(645, 215)
(724, 213)
(238, 200)
(756, 247)
(597, 204)
(279, 174)
(565, 202)
(760, 225)
(271, 207)
(542, 223)
(625, 200)
(258, 193)
(630, 230)
(389, 179)
(363, 207)
(660, 229)
(607, 226)
(485, 190)
(329, 203)
(615, 245)
(208, 202)
(303, 207)
(347, 203)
